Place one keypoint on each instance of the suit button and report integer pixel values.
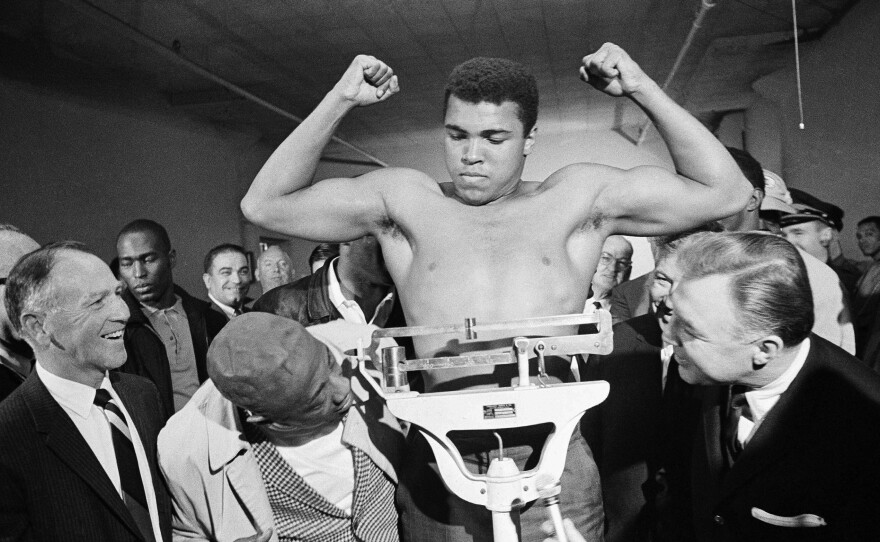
(719, 520)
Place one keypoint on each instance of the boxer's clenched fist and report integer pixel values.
(611, 70)
(367, 81)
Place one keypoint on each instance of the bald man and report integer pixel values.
(16, 357)
(615, 264)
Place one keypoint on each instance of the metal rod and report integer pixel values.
(114, 23)
(705, 6)
(449, 329)
(455, 362)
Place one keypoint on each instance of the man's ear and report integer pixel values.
(755, 200)
(172, 258)
(207, 278)
(33, 328)
(530, 140)
(825, 236)
(766, 350)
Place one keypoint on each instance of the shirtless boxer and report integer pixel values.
(489, 245)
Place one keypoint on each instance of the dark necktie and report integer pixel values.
(129, 475)
(737, 407)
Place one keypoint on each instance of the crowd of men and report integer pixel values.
(744, 394)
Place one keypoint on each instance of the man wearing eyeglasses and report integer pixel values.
(16, 357)
(615, 265)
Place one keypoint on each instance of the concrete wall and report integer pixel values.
(837, 156)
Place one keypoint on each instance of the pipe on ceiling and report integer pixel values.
(118, 25)
(705, 6)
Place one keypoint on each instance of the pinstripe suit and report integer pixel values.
(51, 484)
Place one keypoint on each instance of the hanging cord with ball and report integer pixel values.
(797, 64)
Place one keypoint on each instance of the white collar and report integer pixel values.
(76, 397)
(349, 309)
(334, 289)
(230, 312)
(762, 399)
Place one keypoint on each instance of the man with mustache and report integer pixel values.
(228, 278)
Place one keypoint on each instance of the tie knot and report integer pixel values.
(102, 397)
(738, 401)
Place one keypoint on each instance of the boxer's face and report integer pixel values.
(485, 149)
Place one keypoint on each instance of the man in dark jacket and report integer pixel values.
(16, 357)
(169, 331)
(354, 286)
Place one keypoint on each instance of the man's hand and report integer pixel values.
(613, 72)
(262, 536)
(367, 81)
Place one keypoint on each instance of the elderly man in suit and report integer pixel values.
(77, 453)
(786, 445)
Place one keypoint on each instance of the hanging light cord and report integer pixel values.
(797, 64)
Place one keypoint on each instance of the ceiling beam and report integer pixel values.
(118, 25)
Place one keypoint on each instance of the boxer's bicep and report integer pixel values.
(335, 209)
(650, 200)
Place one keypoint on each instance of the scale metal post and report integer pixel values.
(503, 489)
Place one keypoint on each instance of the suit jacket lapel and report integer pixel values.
(64, 439)
(780, 431)
(713, 399)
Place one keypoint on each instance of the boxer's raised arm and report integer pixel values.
(281, 198)
(649, 200)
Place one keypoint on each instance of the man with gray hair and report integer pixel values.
(786, 441)
(16, 357)
(77, 456)
(274, 268)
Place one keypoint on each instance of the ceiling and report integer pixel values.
(290, 52)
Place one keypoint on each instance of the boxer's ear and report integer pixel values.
(530, 140)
